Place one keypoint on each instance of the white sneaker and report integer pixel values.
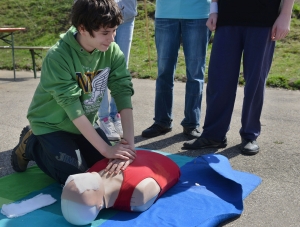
(109, 129)
(118, 124)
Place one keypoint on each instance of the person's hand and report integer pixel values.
(211, 22)
(117, 165)
(281, 27)
(123, 141)
(121, 150)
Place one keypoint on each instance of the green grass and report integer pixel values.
(45, 20)
(285, 71)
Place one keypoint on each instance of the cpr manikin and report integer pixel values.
(135, 189)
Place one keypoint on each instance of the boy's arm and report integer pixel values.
(213, 15)
(281, 26)
(128, 127)
(118, 165)
(121, 151)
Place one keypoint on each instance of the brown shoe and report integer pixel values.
(18, 160)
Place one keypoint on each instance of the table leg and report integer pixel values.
(13, 53)
(33, 62)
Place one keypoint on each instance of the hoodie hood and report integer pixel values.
(70, 38)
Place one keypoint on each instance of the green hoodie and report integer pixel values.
(73, 83)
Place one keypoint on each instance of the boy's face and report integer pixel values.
(101, 40)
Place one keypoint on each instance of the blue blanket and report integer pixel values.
(209, 192)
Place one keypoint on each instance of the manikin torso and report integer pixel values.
(134, 189)
(145, 192)
(140, 184)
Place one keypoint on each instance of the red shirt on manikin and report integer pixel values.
(147, 164)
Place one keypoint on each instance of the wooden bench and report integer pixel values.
(32, 50)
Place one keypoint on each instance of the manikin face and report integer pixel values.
(101, 40)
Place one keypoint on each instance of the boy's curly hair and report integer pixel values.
(94, 14)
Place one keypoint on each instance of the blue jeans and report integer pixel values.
(61, 154)
(194, 36)
(123, 39)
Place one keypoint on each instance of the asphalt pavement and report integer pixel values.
(276, 202)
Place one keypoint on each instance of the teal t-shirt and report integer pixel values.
(182, 9)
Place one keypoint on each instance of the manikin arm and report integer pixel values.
(144, 195)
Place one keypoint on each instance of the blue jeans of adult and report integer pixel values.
(194, 36)
(231, 44)
(123, 39)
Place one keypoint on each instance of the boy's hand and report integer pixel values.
(281, 27)
(120, 151)
(123, 141)
(117, 165)
(211, 22)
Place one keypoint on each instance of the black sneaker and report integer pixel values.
(18, 160)
(155, 130)
(201, 143)
(249, 147)
(191, 132)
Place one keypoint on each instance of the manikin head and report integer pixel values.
(82, 198)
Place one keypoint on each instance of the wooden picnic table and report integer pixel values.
(10, 41)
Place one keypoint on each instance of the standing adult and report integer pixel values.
(246, 30)
(178, 22)
(109, 117)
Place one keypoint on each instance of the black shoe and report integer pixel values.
(18, 160)
(249, 147)
(155, 130)
(191, 132)
(201, 143)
